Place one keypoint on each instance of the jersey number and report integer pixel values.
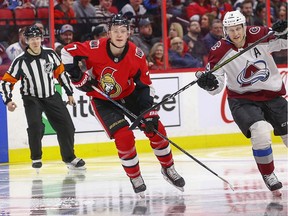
(72, 48)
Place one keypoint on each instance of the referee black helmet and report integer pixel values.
(33, 31)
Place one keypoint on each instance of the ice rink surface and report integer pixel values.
(104, 190)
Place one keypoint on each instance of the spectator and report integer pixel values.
(40, 3)
(223, 6)
(16, 48)
(153, 6)
(134, 8)
(64, 13)
(66, 36)
(26, 4)
(174, 9)
(198, 7)
(281, 56)
(194, 40)
(260, 15)
(4, 3)
(205, 23)
(145, 39)
(156, 57)
(179, 59)
(176, 30)
(99, 31)
(237, 5)
(247, 11)
(4, 60)
(215, 34)
(102, 11)
(274, 8)
(134, 11)
(12, 4)
(120, 4)
(84, 11)
(283, 11)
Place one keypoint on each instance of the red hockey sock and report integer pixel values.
(125, 143)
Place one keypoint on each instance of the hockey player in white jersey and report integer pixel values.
(254, 86)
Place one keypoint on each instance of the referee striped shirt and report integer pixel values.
(37, 75)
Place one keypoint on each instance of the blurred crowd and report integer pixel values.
(194, 26)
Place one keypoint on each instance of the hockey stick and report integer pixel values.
(130, 114)
(137, 121)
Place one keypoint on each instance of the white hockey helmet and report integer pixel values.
(233, 18)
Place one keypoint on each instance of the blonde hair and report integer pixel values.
(153, 50)
(178, 27)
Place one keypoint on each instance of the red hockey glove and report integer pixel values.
(84, 82)
(150, 122)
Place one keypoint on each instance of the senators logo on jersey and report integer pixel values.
(108, 83)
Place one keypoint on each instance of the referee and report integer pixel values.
(37, 67)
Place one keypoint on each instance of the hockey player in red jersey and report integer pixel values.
(118, 68)
(254, 87)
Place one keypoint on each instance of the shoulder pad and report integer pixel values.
(138, 52)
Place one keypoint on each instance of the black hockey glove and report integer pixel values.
(280, 28)
(207, 81)
(150, 122)
(84, 82)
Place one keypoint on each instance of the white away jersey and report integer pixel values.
(254, 74)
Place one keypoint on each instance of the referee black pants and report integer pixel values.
(59, 118)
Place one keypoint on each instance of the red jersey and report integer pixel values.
(62, 17)
(117, 76)
(195, 8)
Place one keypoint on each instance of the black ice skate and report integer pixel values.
(170, 175)
(37, 164)
(273, 184)
(138, 186)
(76, 164)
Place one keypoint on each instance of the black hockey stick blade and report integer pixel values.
(140, 117)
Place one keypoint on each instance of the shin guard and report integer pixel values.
(161, 147)
(125, 144)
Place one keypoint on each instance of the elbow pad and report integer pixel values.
(73, 70)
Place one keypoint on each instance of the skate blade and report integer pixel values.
(37, 170)
(71, 167)
(276, 193)
(141, 195)
(168, 180)
(76, 171)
